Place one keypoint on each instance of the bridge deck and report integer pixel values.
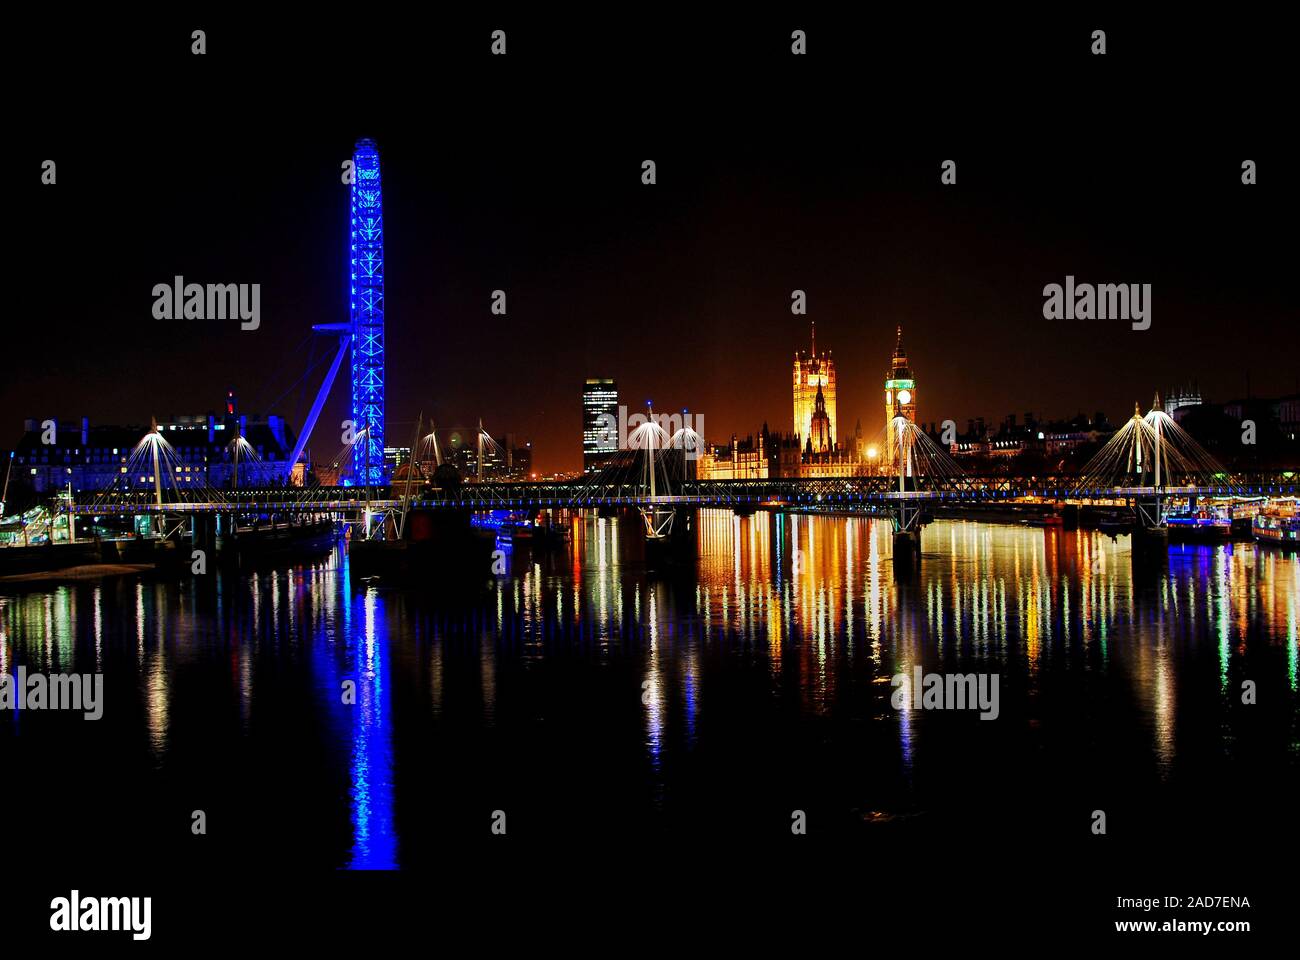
(848, 491)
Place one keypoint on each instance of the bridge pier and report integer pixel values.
(1150, 540)
(203, 534)
(1149, 514)
(908, 519)
(679, 547)
(907, 547)
(439, 548)
(1149, 556)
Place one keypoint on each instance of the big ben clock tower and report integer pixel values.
(900, 392)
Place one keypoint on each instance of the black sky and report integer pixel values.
(774, 173)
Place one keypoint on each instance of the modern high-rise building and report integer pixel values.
(503, 457)
(599, 442)
(900, 392)
(814, 373)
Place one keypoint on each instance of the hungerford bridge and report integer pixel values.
(797, 493)
(1146, 464)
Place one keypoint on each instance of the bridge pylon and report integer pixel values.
(912, 455)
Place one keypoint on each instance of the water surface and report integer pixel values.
(586, 699)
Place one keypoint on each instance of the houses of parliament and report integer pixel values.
(814, 447)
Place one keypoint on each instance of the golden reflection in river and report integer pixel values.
(156, 679)
(815, 601)
(1276, 579)
(1293, 638)
(653, 695)
(273, 588)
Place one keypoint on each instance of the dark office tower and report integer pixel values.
(599, 440)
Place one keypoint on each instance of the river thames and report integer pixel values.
(581, 697)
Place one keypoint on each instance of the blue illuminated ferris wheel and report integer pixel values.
(367, 317)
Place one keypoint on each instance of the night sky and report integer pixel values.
(774, 173)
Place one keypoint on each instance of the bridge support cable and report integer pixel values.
(312, 415)
(1151, 450)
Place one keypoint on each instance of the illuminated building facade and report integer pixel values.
(599, 443)
(1011, 439)
(748, 459)
(819, 432)
(814, 373)
(94, 458)
(395, 458)
(367, 315)
(1181, 397)
(813, 449)
(771, 456)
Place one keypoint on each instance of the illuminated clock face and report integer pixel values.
(904, 396)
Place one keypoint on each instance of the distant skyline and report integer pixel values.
(680, 291)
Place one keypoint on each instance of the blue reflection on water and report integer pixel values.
(689, 684)
(374, 838)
